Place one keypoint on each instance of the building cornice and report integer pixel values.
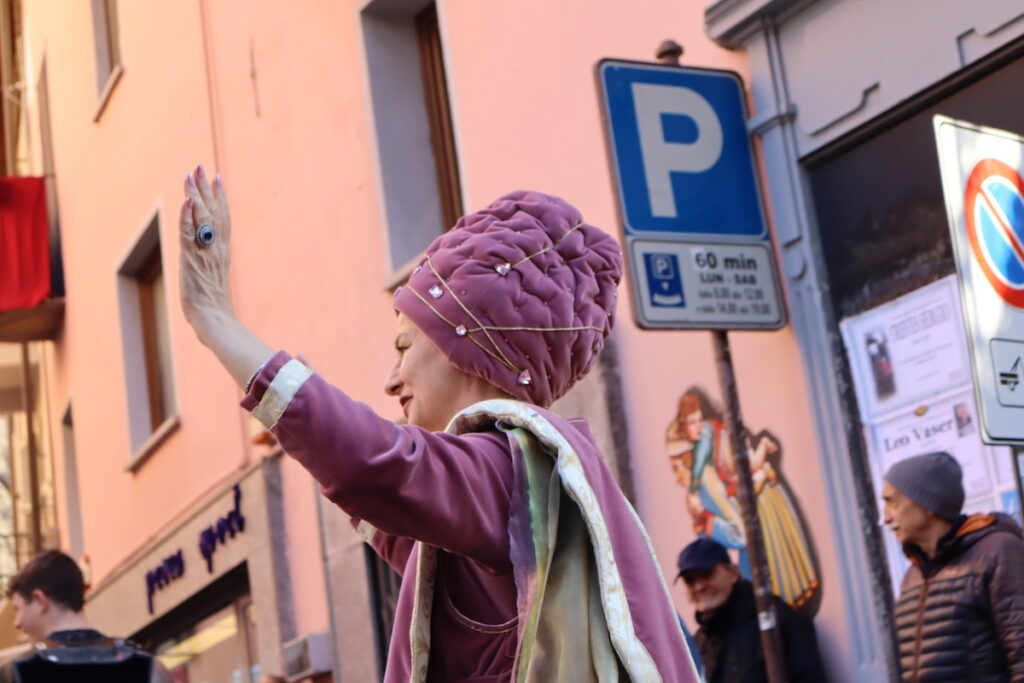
(730, 22)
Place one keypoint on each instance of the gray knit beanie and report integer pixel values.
(933, 480)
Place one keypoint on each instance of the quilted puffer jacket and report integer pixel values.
(960, 614)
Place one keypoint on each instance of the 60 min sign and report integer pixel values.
(707, 260)
(707, 285)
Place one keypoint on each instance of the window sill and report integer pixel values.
(398, 277)
(108, 90)
(149, 446)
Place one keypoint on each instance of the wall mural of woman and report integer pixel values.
(701, 458)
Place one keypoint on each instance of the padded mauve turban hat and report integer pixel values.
(521, 294)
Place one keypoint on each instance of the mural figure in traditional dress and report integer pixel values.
(701, 457)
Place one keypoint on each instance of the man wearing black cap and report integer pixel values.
(729, 639)
(960, 614)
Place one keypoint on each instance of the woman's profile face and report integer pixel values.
(430, 389)
(694, 423)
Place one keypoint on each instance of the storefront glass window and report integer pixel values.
(881, 212)
(215, 650)
(28, 521)
(8, 545)
(884, 236)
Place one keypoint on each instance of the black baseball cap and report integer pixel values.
(702, 555)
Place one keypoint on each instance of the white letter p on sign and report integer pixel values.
(661, 157)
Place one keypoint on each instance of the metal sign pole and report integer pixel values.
(669, 53)
(1016, 452)
(771, 638)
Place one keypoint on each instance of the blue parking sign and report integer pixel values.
(681, 151)
(696, 239)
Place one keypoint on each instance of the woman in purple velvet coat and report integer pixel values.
(521, 559)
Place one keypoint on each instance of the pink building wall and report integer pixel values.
(530, 118)
(112, 176)
(277, 100)
(108, 193)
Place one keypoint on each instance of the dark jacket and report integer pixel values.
(85, 656)
(729, 641)
(960, 614)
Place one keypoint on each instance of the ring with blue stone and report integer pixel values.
(205, 235)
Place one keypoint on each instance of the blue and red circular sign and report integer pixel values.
(994, 212)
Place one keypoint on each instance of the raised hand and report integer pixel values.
(205, 255)
(204, 263)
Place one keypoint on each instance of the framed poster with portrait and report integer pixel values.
(907, 349)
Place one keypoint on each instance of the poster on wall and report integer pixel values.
(948, 423)
(944, 424)
(700, 455)
(916, 396)
(907, 349)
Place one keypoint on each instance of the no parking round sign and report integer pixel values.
(981, 179)
(994, 216)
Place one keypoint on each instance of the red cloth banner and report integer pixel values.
(24, 243)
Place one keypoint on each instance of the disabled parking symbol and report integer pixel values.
(664, 281)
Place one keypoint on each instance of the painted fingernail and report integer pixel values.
(217, 181)
(191, 180)
(200, 172)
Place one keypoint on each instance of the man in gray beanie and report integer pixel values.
(960, 614)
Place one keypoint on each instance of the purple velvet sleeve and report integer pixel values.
(395, 550)
(449, 491)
